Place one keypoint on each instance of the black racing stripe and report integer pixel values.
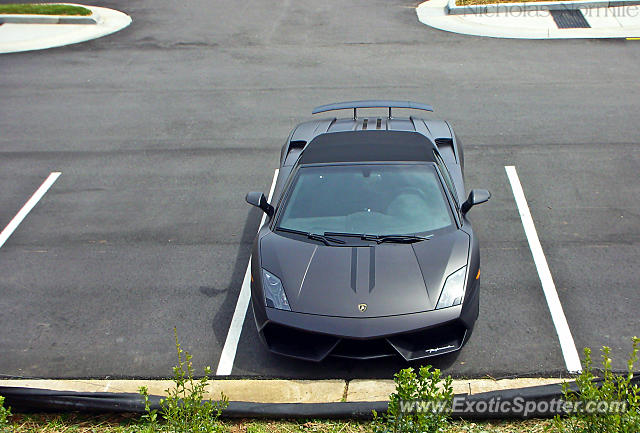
(372, 268)
(354, 268)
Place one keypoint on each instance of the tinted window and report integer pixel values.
(373, 199)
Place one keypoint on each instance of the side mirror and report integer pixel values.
(476, 196)
(258, 199)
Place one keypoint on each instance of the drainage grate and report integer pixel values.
(570, 19)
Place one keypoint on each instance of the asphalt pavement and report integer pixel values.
(160, 129)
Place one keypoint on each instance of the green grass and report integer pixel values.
(78, 423)
(43, 9)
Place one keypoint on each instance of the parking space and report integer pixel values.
(514, 327)
(585, 204)
(124, 247)
(161, 129)
(589, 237)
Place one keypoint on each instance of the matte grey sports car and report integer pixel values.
(367, 250)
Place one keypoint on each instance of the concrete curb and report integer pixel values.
(523, 26)
(57, 31)
(518, 8)
(46, 19)
(278, 390)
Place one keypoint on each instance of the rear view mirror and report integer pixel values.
(258, 199)
(476, 196)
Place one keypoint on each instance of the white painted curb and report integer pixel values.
(16, 37)
(513, 8)
(500, 25)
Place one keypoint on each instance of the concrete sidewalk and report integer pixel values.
(534, 20)
(37, 32)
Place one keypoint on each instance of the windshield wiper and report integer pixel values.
(400, 239)
(382, 238)
(313, 236)
(325, 239)
(352, 235)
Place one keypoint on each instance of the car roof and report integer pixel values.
(368, 146)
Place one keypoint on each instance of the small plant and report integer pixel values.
(592, 396)
(420, 404)
(150, 418)
(5, 413)
(184, 409)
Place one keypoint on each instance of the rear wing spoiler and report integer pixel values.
(371, 104)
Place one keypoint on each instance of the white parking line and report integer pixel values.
(35, 198)
(571, 358)
(233, 336)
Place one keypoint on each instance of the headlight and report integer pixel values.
(274, 295)
(453, 290)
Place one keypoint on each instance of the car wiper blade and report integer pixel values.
(382, 238)
(401, 239)
(313, 236)
(325, 239)
(353, 235)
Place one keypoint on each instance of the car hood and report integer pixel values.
(390, 278)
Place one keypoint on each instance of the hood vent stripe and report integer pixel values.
(372, 268)
(354, 268)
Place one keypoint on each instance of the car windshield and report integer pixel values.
(379, 199)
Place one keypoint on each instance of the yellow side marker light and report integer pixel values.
(478, 276)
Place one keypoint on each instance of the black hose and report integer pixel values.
(471, 407)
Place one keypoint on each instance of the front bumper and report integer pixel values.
(412, 336)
